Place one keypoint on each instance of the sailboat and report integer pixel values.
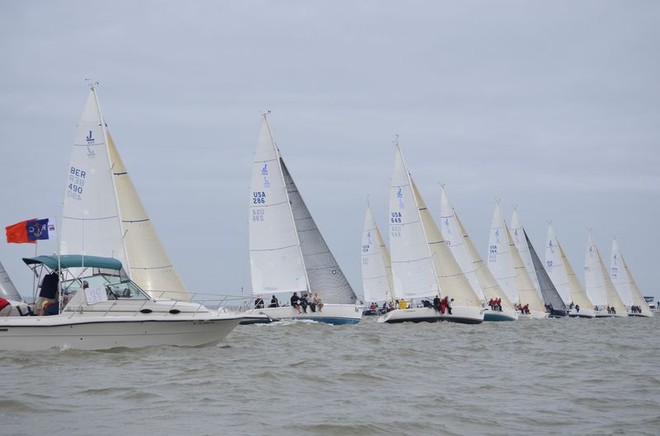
(477, 273)
(599, 285)
(103, 214)
(287, 251)
(553, 301)
(507, 267)
(626, 285)
(423, 266)
(563, 276)
(376, 265)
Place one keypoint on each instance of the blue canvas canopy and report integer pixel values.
(74, 261)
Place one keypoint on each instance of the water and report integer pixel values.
(569, 376)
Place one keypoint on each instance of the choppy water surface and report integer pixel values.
(568, 376)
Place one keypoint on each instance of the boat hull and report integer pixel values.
(640, 315)
(604, 314)
(500, 315)
(330, 314)
(460, 314)
(583, 313)
(36, 333)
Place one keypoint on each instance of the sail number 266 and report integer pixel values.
(258, 197)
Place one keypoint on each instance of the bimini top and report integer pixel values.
(74, 261)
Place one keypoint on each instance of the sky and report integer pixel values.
(553, 107)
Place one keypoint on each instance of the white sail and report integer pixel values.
(597, 281)
(487, 282)
(148, 263)
(103, 215)
(7, 288)
(455, 238)
(518, 234)
(287, 251)
(500, 260)
(562, 273)
(625, 283)
(376, 264)
(413, 271)
(453, 282)
(90, 217)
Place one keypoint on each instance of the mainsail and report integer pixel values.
(500, 260)
(103, 214)
(376, 263)
(625, 283)
(413, 271)
(287, 251)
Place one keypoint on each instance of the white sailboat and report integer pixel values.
(599, 286)
(477, 273)
(103, 215)
(423, 266)
(507, 267)
(563, 276)
(626, 285)
(287, 251)
(376, 264)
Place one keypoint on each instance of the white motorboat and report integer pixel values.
(102, 309)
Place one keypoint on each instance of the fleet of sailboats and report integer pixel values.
(429, 273)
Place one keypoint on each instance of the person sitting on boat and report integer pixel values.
(613, 310)
(498, 304)
(577, 308)
(316, 299)
(436, 303)
(427, 303)
(274, 302)
(295, 302)
(403, 304)
(303, 302)
(525, 309)
(443, 305)
(258, 302)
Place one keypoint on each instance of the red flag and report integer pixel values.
(18, 233)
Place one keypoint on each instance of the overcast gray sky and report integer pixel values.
(552, 106)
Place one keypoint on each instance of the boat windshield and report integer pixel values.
(116, 287)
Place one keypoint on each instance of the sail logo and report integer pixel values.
(551, 246)
(399, 196)
(90, 138)
(497, 236)
(448, 228)
(264, 172)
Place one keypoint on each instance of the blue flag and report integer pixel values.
(37, 229)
